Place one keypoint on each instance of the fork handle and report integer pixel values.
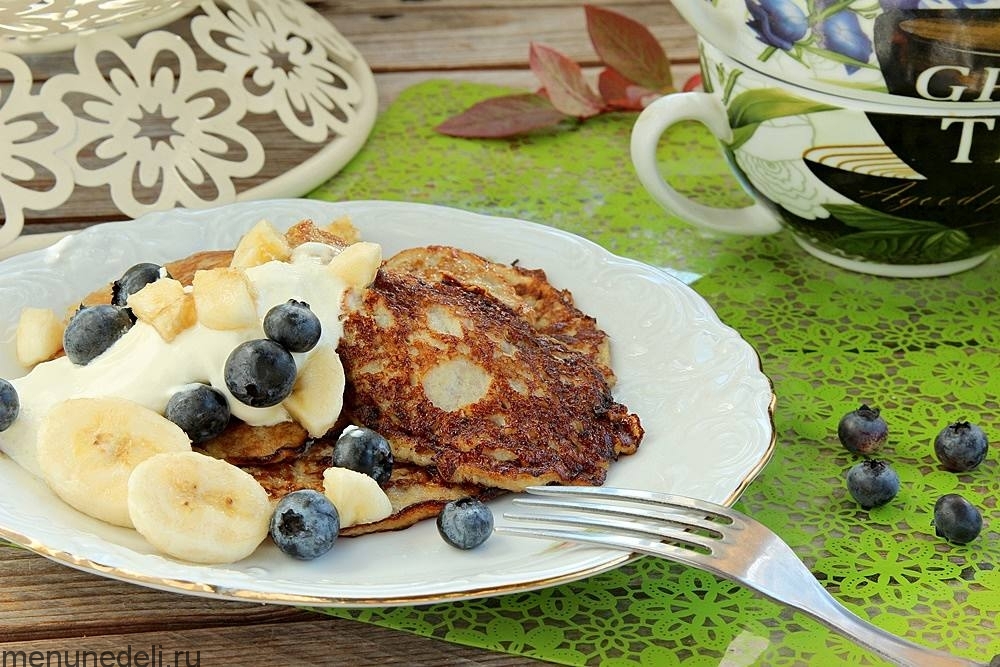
(887, 645)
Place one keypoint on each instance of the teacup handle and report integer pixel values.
(655, 119)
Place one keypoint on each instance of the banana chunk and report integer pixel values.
(357, 497)
(197, 508)
(262, 244)
(39, 336)
(357, 264)
(224, 299)
(88, 448)
(318, 395)
(164, 305)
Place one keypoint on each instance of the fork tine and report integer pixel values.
(627, 527)
(624, 543)
(672, 501)
(659, 515)
(684, 527)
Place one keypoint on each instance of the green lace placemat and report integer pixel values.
(924, 351)
(580, 179)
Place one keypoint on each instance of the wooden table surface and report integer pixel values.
(48, 607)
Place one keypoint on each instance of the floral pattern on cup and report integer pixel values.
(851, 216)
(828, 45)
(831, 30)
(784, 178)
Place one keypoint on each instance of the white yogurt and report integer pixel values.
(144, 368)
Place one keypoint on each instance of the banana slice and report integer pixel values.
(344, 228)
(260, 245)
(357, 497)
(357, 264)
(198, 508)
(39, 336)
(88, 448)
(166, 306)
(318, 394)
(224, 299)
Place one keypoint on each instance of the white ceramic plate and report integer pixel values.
(696, 384)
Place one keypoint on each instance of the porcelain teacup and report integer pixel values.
(886, 189)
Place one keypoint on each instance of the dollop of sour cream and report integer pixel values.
(144, 368)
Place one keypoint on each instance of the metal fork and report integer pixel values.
(710, 537)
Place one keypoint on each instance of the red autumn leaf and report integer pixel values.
(638, 71)
(621, 94)
(693, 83)
(627, 46)
(612, 85)
(505, 116)
(563, 82)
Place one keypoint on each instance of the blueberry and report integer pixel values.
(364, 450)
(305, 524)
(961, 446)
(465, 523)
(260, 373)
(294, 325)
(956, 519)
(92, 330)
(200, 410)
(10, 404)
(863, 431)
(872, 483)
(133, 280)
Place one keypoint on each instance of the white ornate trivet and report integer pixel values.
(142, 105)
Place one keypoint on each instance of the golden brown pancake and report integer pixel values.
(181, 270)
(527, 292)
(458, 381)
(243, 444)
(415, 493)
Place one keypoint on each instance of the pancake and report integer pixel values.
(243, 444)
(415, 493)
(458, 381)
(181, 270)
(338, 233)
(527, 292)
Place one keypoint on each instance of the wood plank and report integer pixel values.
(43, 599)
(436, 36)
(456, 38)
(50, 607)
(321, 641)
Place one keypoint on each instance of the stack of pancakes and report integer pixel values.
(483, 377)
